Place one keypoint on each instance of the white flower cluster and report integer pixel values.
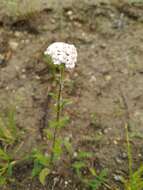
(62, 53)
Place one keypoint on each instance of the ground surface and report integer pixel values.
(107, 81)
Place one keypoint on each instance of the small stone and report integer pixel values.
(17, 68)
(70, 180)
(75, 154)
(27, 41)
(124, 155)
(70, 15)
(108, 77)
(117, 178)
(69, 12)
(37, 77)
(56, 179)
(13, 45)
(53, 21)
(23, 76)
(100, 133)
(23, 70)
(66, 183)
(106, 131)
(103, 46)
(93, 78)
(118, 160)
(115, 142)
(17, 107)
(17, 34)
(46, 154)
(7, 88)
(125, 71)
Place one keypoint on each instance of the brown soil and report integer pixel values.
(107, 82)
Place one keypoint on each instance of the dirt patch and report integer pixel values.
(107, 83)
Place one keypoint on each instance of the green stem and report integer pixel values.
(129, 152)
(58, 112)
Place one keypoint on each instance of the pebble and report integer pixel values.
(93, 78)
(56, 179)
(17, 34)
(118, 160)
(53, 21)
(66, 183)
(106, 131)
(115, 142)
(100, 133)
(25, 41)
(13, 45)
(75, 154)
(125, 71)
(103, 46)
(23, 76)
(70, 13)
(37, 77)
(17, 68)
(108, 77)
(7, 88)
(117, 178)
(23, 70)
(124, 155)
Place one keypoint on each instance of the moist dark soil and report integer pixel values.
(106, 87)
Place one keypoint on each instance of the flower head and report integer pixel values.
(62, 53)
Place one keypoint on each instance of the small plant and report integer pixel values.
(41, 165)
(8, 131)
(135, 181)
(88, 175)
(64, 56)
(6, 167)
(8, 137)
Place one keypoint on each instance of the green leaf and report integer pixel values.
(68, 146)
(2, 180)
(84, 155)
(43, 174)
(53, 124)
(10, 169)
(53, 95)
(63, 121)
(49, 134)
(11, 123)
(41, 158)
(36, 169)
(59, 124)
(65, 102)
(79, 165)
(4, 156)
(8, 131)
(92, 171)
(57, 149)
(95, 183)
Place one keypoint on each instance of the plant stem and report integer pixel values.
(58, 112)
(129, 152)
